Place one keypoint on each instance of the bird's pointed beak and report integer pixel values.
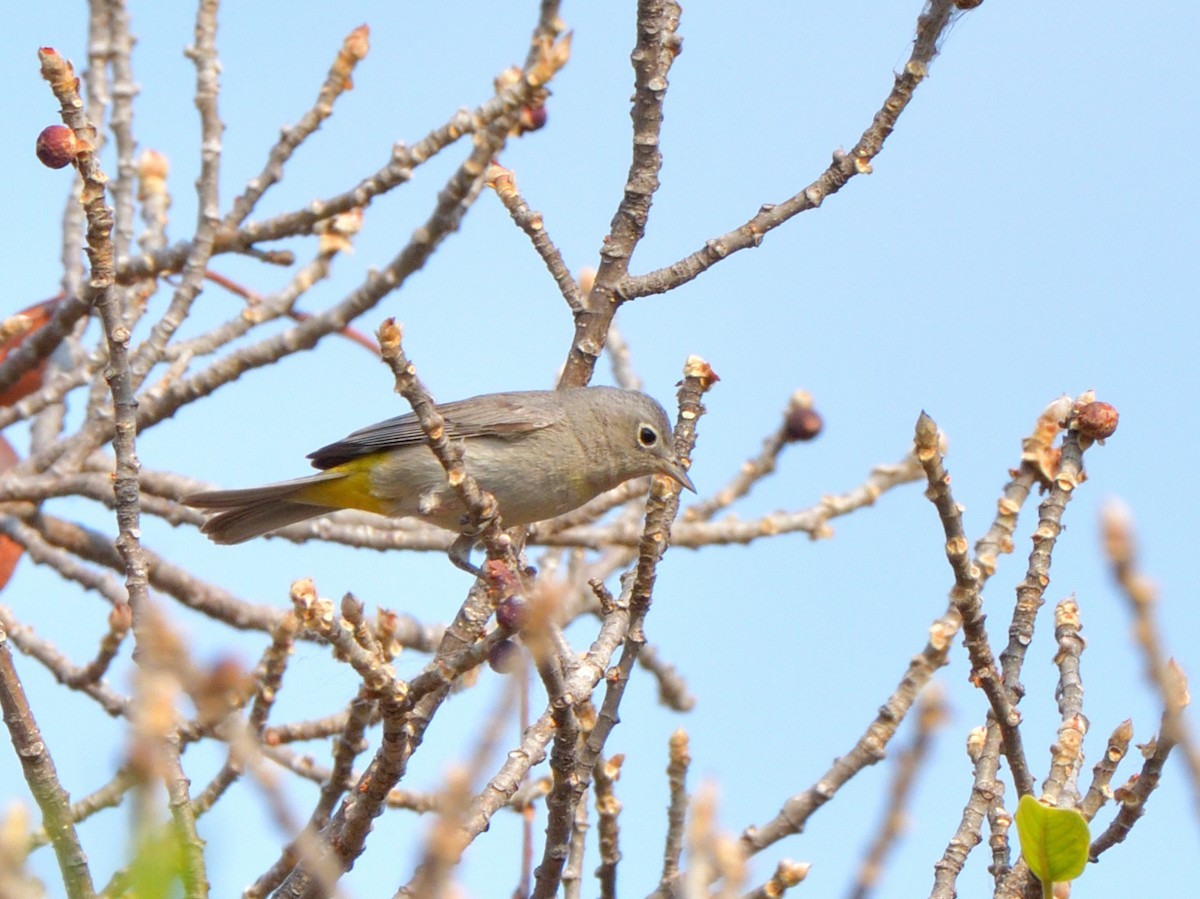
(674, 470)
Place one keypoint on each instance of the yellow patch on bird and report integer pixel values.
(353, 491)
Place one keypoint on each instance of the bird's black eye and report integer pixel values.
(647, 436)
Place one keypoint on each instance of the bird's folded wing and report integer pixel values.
(497, 417)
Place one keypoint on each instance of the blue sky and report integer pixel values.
(1029, 230)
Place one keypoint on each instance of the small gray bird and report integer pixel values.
(540, 453)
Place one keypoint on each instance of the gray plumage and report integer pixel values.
(540, 453)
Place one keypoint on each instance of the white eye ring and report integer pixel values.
(647, 436)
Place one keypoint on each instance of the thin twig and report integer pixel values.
(1141, 593)
(608, 808)
(987, 793)
(677, 768)
(398, 171)
(931, 716)
(658, 43)
(787, 874)
(501, 180)
(813, 521)
(967, 598)
(481, 507)
(62, 668)
(42, 778)
(871, 746)
(354, 49)
(1066, 755)
(930, 28)
(1134, 795)
(1030, 593)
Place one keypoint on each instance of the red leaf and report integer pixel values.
(38, 314)
(10, 551)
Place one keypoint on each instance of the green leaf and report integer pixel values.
(156, 871)
(1054, 841)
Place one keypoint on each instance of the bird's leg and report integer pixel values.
(460, 554)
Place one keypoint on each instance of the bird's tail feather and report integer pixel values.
(244, 514)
